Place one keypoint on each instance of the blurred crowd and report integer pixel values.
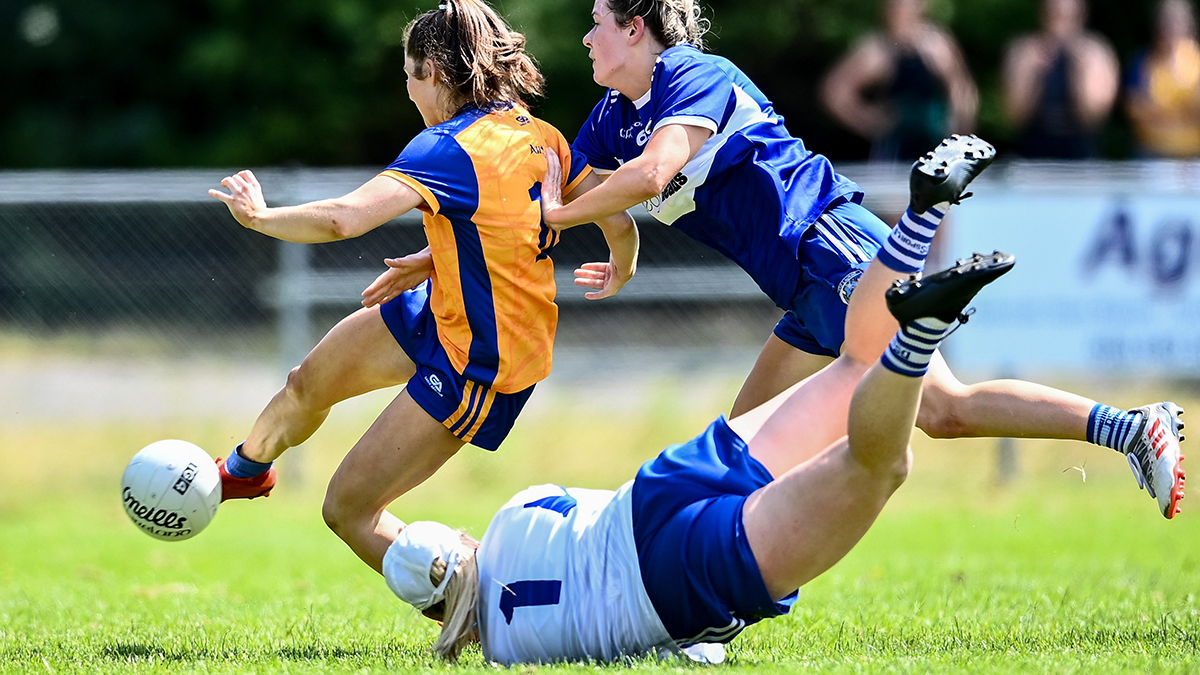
(906, 86)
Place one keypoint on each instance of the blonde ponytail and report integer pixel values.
(459, 619)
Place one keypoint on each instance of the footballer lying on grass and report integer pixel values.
(713, 534)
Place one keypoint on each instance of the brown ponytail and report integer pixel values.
(481, 60)
(671, 22)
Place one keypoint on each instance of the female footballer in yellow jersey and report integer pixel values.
(474, 328)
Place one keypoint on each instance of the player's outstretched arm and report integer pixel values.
(375, 203)
(621, 235)
(401, 275)
(668, 151)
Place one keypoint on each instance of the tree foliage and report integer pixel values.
(138, 83)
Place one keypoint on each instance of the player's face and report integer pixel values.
(607, 44)
(424, 93)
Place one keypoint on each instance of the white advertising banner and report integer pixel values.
(1105, 284)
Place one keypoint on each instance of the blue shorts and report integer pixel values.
(696, 562)
(470, 410)
(834, 253)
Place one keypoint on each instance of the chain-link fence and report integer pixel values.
(148, 253)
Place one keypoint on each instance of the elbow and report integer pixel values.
(346, 220)
(550, 220)
(341, 229)
(348, 226)
(655, 181)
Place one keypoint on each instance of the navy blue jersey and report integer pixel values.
(752, 189)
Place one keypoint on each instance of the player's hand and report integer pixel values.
(551, 185)
(244, 198)
(402, 274)
(604, 277)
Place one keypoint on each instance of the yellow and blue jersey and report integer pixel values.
(492, 294)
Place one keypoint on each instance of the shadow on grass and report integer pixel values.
(138, 651)
(370, 653)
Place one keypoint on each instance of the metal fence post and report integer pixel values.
(295, 329)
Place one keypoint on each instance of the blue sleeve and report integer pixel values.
(578, 164)
(696, 89)
(593, 144)
(438, 168)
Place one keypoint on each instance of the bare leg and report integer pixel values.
(823, 400)
(949, 409)
(358, 355)
(778, 367)
(402, 448)
(807, 520)
(1010, 408)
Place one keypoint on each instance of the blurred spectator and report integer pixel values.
(1163, 96)
(1060, 84)
(904, 88)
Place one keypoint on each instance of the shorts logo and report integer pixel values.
(846, 286)
(435, 383)
(185, 479)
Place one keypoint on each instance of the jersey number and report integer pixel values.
(528, 594)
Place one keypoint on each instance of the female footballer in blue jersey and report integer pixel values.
(469, 322)
(719, 532)
(687, 135)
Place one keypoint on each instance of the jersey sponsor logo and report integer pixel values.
(537, 149)
(523, 120)
(672, 188)
(185, 479)
(846, 286)
(561, 504)
(638, 132)
(435, 383)
(533, 593)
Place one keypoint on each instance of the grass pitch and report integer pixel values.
(1069, 569)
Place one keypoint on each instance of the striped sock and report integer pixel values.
(240, 467)
(1112, 427)
(908, 244)
(912, 348)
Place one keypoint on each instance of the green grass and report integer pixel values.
(1051, 574)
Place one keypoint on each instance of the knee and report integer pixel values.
(299, 384)
(296, 385)
(337, 517)
(895, 472)
(941, 413)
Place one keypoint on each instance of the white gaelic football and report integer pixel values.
(171, 490)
